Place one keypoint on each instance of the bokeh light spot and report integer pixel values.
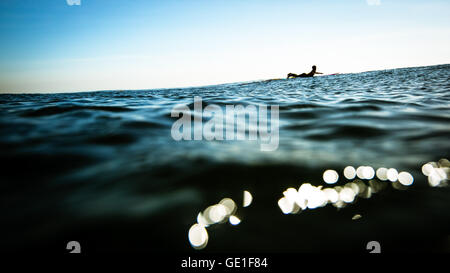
(330, 176)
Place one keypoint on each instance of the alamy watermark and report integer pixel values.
(235, 122)
(373, 2)
(374, 247)
(74, 247)
(73, 2)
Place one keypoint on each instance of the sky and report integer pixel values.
(58, 46)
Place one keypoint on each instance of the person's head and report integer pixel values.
(314, 67)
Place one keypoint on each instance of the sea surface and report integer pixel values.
(103, 169)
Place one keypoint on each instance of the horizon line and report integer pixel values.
(197, 86)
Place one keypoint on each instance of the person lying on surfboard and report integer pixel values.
(304, 75)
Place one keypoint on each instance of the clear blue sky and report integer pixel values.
(50, 46)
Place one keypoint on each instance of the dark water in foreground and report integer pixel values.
(102, 168)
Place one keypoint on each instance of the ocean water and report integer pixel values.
(102, 168)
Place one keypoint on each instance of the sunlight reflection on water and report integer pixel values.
(311, 197)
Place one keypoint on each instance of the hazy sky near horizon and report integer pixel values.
(50, 46)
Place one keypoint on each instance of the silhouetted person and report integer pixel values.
(304, 75)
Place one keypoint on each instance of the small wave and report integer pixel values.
(113, 139)
(55, 110)
(143, 124)
(302, 114)
(348, 131)
(439, 134)
(377, 102)
(300, 106)
(360, 108)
